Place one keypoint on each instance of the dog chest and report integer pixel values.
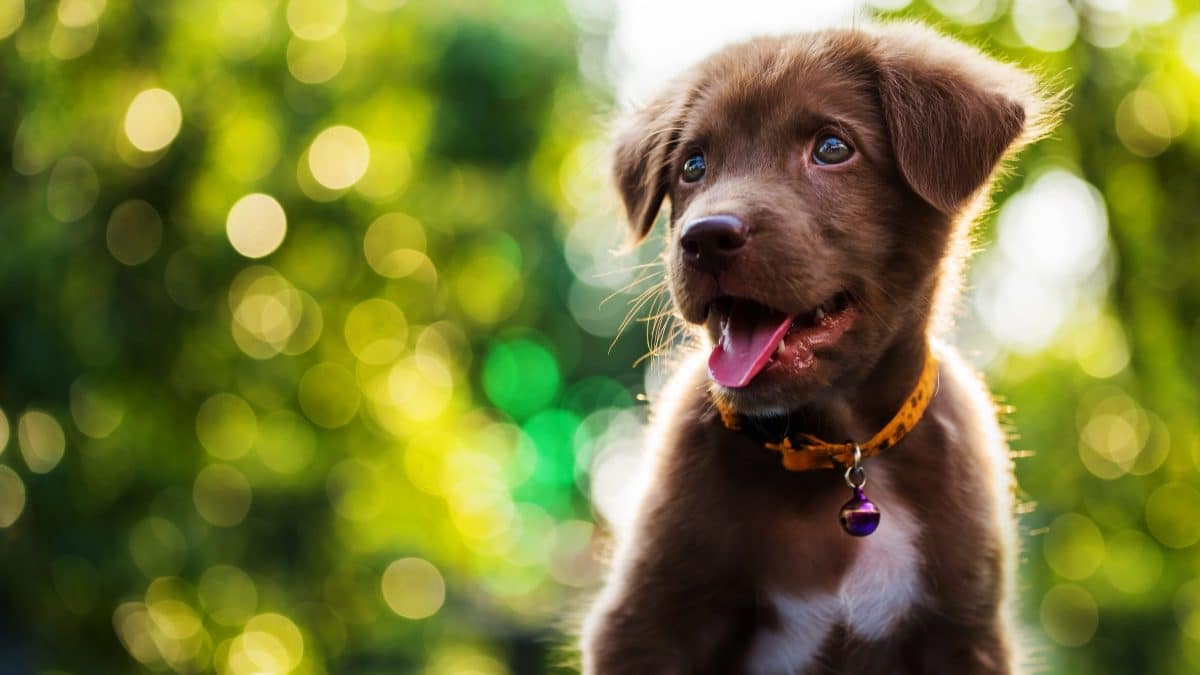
(876, 592)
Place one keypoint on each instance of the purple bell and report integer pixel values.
(859, 516)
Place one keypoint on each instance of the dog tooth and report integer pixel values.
(779, 348)
(819, 314)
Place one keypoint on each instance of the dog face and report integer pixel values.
(816, 183)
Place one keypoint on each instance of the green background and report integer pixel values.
(368, 447)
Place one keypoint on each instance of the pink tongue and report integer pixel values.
(747, 340)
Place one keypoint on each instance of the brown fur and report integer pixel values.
(721, 522)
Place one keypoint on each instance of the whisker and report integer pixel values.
(657, 315)
(648, 295)
(631, 285)
(663, 330)
(629, 268)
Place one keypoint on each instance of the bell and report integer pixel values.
(859, 516)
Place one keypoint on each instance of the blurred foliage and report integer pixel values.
(305, 363)
(285, 380)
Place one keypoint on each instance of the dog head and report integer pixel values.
(818, 185)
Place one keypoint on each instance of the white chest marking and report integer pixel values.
(876, 592)
(803, 625)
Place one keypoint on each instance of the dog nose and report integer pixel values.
(712, 240)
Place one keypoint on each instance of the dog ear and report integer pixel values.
(952, 112)
(641, 156)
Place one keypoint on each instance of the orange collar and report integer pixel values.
(802, 452)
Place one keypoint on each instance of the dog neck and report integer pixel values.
(887, 404)
(864, 409)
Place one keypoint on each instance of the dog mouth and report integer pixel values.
(755, 338)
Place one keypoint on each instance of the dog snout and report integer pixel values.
(711, 242)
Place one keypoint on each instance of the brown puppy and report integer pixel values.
(820, 188)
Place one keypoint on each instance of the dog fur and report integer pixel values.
(734, 565)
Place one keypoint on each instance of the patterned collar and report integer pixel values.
(804, 452)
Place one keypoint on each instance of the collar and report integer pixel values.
(804, 452)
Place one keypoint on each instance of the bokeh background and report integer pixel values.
(309, 315)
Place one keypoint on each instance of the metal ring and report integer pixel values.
(856, 476)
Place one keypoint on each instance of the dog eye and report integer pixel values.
(831, 150)
(693, 167)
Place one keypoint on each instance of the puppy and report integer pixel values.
(820, 189)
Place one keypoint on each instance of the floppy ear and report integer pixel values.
(640, 159)
(952, 112)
